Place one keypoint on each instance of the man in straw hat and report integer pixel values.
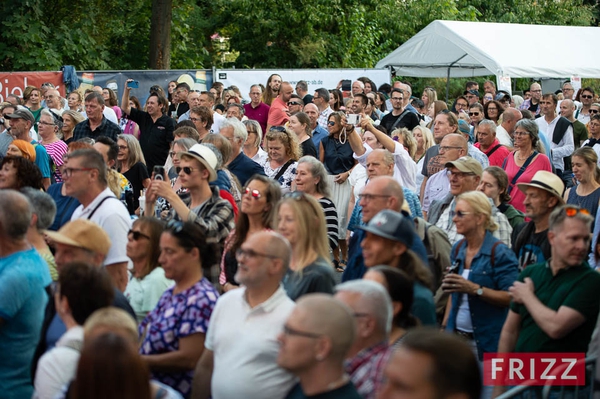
(530, 239)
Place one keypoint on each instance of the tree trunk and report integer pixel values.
(160, 34)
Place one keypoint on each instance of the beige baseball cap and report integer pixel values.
(82, 233)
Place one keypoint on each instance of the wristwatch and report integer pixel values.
(479, 291)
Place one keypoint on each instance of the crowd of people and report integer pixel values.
(292, 245)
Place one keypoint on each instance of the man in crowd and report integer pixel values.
(461, 105)
(489, 87)
(321, 100)
(313, 345)
(542, 196)
(272, 90)
(302, 91)
(96, 123)
(358, 87)
(256, 109)
(489, 144)
(156, 128)
(472, 96)
(235, 111)
(295, 104)
(277, 114)
(505, 130)
(372, 307)
(193, 100)
(533, 104)
(21, 122)
(587, 98)
(555, 303)
(359, 102)
(207, 99)
(476, 113)
(580, 134)
(23, 277)
(5, 137)
(558, 131)
(84, 175)
(182, 90)
(240, 165)
(400, 116)
(407, 91)
(318, 132)
(259, 309)
(464, 175)
(432, 365)
(54, 101)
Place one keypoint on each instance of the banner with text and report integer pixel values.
(16, 82)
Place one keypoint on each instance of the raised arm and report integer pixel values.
(125, 98)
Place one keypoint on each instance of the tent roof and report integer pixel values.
(484, 48)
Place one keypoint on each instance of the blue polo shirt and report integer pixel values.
(244, 168)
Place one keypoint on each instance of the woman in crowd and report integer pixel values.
(32, 96)
(400, 287)
(70, 119)
(335, 99)
(300, 124)
(179, 146)
(173, 332)
(170, 89)
(312, 180)
(48, 128)
(429, 97)
(370, 86)
(380, 100)
(371, 109)
(18, 172)
(424, 139)
(148, 281)
(336, 154)
(300, 219)
(74, 101)
(492, 110)
(257, 213)
(284, 152)
(487, 97)
(65, 205)
(524, 161)
(129, 126)
(110, 100)
(131, 163)
(483, 268)
(493, 184)
(435, 108)
(586, 194)
(405, 138)
(252, 147)
(21, 148)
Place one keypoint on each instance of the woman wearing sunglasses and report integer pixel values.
(300, 219)
(148, 281)
(173, 332)
(483, 268)
(257, 213)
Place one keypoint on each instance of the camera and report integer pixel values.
(353, 119)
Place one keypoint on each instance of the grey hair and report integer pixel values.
(257, 128)
(42, 205)
(361, 84)
(491, 124)
(238, 106)
(92, 159)
(15, 215)
(557, 217)
(217, 154)
(239, 129)
(317, 170)
(54, 117)
(532, 128)
(375, 299)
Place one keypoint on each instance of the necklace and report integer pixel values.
(523, 159)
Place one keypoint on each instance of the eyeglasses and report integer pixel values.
(536, 91)
(290, 331)
(186, 169)
(594, 111)
(241, 253)
(520, 134)
(473, 113)
(331, 123)
(68, 172)
(492, 109)
(137, 235)
(571, 211)
(356, 314)
(396, 98)
(293, 103)
(447, 147)
(122, 147)
(255, 193)
(461, 105)
(461, 214)
(370, 197)
(586, 96)
(460, 175)
(45, 123)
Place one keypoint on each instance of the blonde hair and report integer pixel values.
(310, 226)
(289, 140)
(408, 140)
(428, 140)
(135, 150)
(481, 206)
(112, 318)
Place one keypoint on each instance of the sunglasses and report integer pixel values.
(186, 169)
(292, 103)
(331, 123)
(473, 113)
(461, 214)
(137, 235)
(255, 193)
(586, 96)
(594, 111)
(572, 211)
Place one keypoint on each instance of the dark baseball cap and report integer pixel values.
(22, 113)
(472, 91)
(393, 226)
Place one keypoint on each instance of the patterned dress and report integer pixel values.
(177, 316)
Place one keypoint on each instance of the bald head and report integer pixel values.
(327, 316)
(277, 245)
(390, 186)
(456, 140)
(380, 162)
(567, 108)
(97, 89)
(510, 117)
(52, 98)
(15, 215)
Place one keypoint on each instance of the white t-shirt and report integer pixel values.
(503, 136)
(143, 295)
(108, 113)
(244, 342)
(463, 317)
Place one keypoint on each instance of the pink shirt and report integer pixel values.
(540, 162)
(277, 115)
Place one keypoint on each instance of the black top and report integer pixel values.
(136, 175)
(338, 157)
(155, 137)
(106, 128)
(316, 277)
(347, 391)
(308, 148)
(409, 121)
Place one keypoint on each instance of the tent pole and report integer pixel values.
(448, 83)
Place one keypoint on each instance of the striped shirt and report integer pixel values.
(331, 220)
(324, 117)
(56, 151)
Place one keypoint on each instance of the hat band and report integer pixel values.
(550, 188)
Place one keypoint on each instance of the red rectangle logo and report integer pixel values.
(511, 369)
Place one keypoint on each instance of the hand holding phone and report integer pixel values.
(159, 172)
(133, 84)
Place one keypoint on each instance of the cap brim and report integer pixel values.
(61, 239)
(213, 173)
(523, 187)
(459, 166)
(379, 233)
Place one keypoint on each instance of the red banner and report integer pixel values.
(15, 82)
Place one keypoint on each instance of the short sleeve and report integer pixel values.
(42, 160)
(13, 293)
(586, 297)
(195, 318)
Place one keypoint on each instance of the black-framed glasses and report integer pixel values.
(254, 193)
(137, 235)
(460, 175)
(287, 330)
(292, 103)
(594, 111)
(370, 197)
(473, 113)
(195, 120)
(186, 169)
(242, 253)
(396, 98)
(122, 147)
(68, 172)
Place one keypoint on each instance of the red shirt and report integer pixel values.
(277, 115)
(259, 114)
(498, 156)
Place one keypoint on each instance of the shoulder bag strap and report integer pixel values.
(283, 169)
(398, 120)
(98, 206)
(511, 186)
(489, 154)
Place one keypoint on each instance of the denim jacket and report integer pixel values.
(487, 319)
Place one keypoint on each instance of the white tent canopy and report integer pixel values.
(483, 48)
